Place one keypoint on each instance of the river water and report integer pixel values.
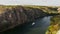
(40, 27)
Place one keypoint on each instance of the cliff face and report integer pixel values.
(14, 16)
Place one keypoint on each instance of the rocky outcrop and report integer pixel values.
(18, 15)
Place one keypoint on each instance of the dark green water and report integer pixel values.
(39, 27)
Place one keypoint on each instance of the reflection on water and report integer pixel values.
(54, 25)
(39, 27)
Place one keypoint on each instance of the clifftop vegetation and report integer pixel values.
(47, 9)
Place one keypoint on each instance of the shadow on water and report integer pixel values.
(39, 27)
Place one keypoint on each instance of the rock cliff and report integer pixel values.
(14, 16)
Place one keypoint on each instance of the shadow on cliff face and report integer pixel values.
(21, 29)
(17, 16)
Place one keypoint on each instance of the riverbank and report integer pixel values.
(54, 25)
